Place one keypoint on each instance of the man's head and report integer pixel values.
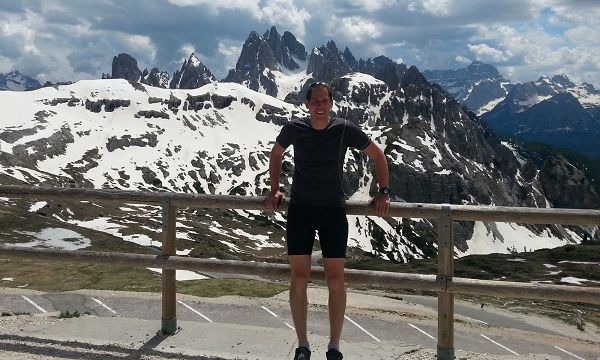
(319, 101)
(316, 85)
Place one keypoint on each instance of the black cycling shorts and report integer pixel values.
(330, 222)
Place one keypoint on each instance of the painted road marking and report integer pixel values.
(104, 305)
(275, 315)
(195, 311)
(423, 332)
(573, 355)
(502, 346)
(360, 327)
(479, 321)
(269, 311)
(34, 304)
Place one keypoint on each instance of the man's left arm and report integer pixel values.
(381, 201)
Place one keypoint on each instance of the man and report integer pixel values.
(317, 203)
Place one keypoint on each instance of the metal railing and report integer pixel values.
(444, 282)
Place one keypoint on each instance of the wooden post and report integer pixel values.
(445, 348)
(169, 290)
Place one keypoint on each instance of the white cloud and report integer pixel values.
(463, 60)
(432, 7)
(523, 38)
(22, 30)
(214, 7)
(370, 5)
(143, 44)
(284, 12)
(6, 64)
(230, 51)
(354, 29)
(186, 50)
(486, 53)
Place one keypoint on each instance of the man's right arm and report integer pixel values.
(275, 196)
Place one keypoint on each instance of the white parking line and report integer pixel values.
(269, 311)
(360, 327)
(573, 355)
(195, 311)
(423, 332)
(502, 346)
(275, 315)
(479, 321)
(104, 305)
(34, 304)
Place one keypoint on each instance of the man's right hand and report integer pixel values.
(273, 200)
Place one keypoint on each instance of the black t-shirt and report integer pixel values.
(319, 158)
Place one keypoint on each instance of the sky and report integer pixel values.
(64, 40)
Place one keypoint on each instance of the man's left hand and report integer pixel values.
(381, 202)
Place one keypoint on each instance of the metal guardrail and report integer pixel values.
(444, 282)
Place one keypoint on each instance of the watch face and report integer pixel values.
(385, 191)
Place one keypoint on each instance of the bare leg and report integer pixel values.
(334, 274)
(300, 266)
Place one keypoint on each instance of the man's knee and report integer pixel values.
(300, 275)
(334, 274)
(300, 268)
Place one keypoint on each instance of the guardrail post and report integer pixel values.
(445, 348)
(169, 290)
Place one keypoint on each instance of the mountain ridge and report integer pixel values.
(216, 138)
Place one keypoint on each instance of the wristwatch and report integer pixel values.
(384, 190)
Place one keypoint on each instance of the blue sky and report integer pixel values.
(60, 40)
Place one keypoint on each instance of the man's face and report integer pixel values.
(319, 104)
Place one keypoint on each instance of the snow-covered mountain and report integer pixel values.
(478, 86)
(217, 139)
(554, 111)
(15, 81)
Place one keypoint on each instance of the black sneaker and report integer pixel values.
(334, 354)
(302, 353)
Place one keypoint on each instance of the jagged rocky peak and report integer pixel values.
(294, 46)
(382, 68)
(156, 78)
(192, 75)
(413, 76)
(15, 81)
(481, 70)
(285, 48)
(327, 63)
(263, 56)
(256, 57)
(350, 58)
(563, 81)
(124, 66)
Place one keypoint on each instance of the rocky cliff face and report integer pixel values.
(156, 78)
(124, 66)
(285, 48)
(327, 63)
(382, 68)
(566, 186)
